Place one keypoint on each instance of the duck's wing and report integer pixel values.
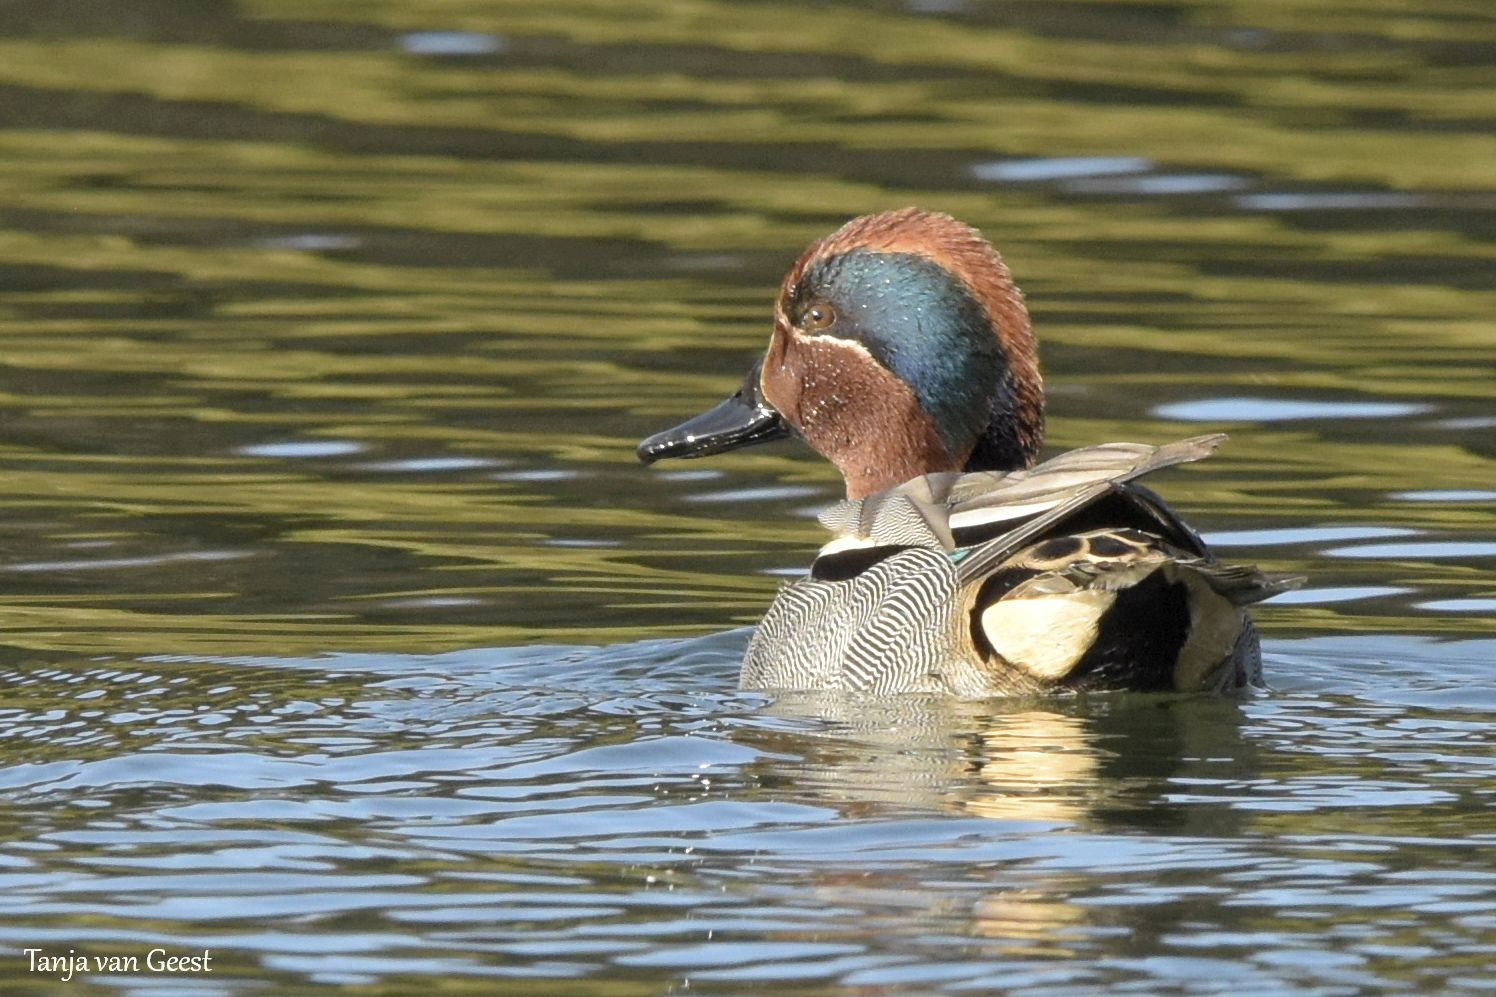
(993, 511)
(1082, 478)
(951, 510)
(1094, 479)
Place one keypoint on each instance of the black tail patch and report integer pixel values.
(1138, 639)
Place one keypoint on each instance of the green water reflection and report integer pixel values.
(258, 224)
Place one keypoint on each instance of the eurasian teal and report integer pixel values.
(902, 352)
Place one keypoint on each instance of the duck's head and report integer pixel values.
(900, 347)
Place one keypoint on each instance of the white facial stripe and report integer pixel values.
(850, 344)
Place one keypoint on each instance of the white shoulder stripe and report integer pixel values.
(996, 514)
(841, 544)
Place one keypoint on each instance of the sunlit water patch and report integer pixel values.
(1282, 410)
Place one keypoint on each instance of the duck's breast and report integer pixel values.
(893, 627)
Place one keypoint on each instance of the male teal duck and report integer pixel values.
(902, 352)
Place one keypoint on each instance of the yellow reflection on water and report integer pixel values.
(1035, 765)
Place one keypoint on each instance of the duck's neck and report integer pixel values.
(1015, 429)
(880, 446)
(873, 427)
(868, 476)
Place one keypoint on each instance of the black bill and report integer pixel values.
(740, 421)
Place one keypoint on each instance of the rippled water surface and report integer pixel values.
(344, 640)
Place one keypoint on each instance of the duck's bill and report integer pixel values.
(740, 421)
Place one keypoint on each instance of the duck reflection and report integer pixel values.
(1070, 778)
(1105, 762)
(1034, 765)
(1032, 922)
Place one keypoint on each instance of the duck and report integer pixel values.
(959, 564)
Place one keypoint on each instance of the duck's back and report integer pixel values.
(1063, 577)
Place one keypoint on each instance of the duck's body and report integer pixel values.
(902, 352)
(988, 583)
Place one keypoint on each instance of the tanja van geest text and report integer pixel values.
(154, 961)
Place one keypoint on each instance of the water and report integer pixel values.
(344, 640)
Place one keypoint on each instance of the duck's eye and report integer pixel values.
(818, 316)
